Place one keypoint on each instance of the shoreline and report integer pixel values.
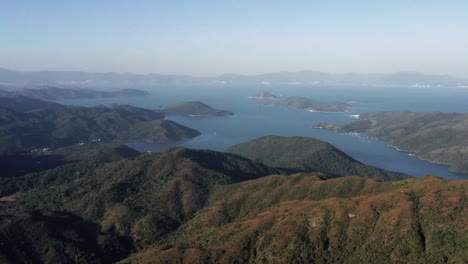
(411, 153)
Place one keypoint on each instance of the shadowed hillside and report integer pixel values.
(19, 164)
(48, 238)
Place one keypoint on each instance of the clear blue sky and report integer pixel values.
(241, 36)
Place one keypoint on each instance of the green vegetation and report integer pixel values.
(298, 102)
(437, 137)
(304, 219)
(57, 127)
(308, 155)
(141, 200)
(193, 109)
(183, 205)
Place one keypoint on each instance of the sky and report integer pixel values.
(243, 36)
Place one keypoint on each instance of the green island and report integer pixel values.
(196, 206)
(298, 102)
(193, 109)
(433, 136)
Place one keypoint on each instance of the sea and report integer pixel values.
(253, 120)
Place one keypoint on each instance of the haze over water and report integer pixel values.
(252, 120)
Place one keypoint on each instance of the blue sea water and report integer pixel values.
(252, 120)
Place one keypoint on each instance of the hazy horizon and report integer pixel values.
(206, 38)
(226, 73)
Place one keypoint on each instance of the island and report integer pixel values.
(193, 109)
(298, 102)
(433, 136)
(263, 96)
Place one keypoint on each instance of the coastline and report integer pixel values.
(416, 156)
(411, 153)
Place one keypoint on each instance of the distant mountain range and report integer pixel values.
(11, 78)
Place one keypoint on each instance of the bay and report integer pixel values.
(252, 120)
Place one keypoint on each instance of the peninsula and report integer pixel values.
(433, 136)
(69, 125)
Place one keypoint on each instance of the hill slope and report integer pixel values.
(141, 200)
(183, 205)
(14, 165)
(65, 126)
(437, 137)
(304, 219)
(25, 104)
(194, 109)
(308, 154)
